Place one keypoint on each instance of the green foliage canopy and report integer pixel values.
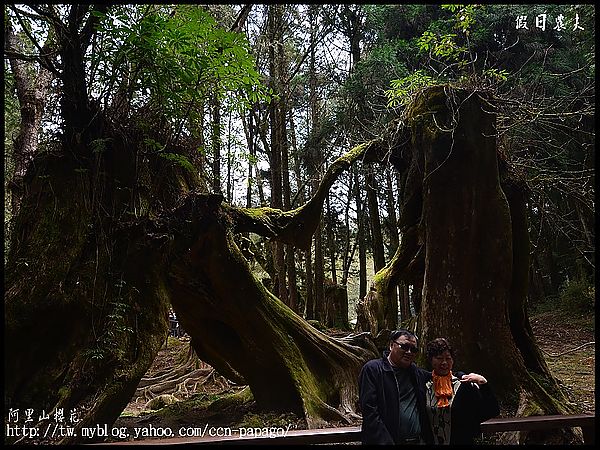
(176, 57)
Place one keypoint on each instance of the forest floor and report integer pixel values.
(558, 333)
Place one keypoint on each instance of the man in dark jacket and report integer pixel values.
(392, 395)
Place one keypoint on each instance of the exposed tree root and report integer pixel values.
(326, 413)
(177, 384)
(182, 380)
(169, 375)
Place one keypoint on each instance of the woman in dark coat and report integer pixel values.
(456, 403)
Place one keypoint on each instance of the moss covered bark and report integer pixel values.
(296, 227)
(248, 334)
(476, 264)
(85, 301)
(96, 261)
(464, 240)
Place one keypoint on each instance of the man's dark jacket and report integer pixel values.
(379, 402)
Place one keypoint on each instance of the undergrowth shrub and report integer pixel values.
(578, 295)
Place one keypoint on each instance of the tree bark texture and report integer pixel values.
(476, 257)
(376, 235)
(249, 335)
(464, 240)
(31, 94)
(89, 284)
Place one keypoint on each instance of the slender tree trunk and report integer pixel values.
(308, 303)
(546, 258)
(229, 162)
(290, 255)
(275, 54)
(315, 163)
(261, 126)
(319, 271)
(416, 297)
(404, 302)
(290, 252)
(216, 144)
(360, 236)
(393, 231)
(331, 242)
(31, 94)
(197, 124)
(309, 310)
(536, 283)
(248, 127)
(349, 247)
(392, 217)
(376, 236)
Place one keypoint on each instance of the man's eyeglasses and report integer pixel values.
(407, 347)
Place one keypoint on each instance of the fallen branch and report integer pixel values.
(569, 351)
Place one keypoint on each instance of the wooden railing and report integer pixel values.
(352, 434)
(585, 421)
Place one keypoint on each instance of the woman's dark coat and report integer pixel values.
(471, 406)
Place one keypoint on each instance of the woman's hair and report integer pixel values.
(437, 347)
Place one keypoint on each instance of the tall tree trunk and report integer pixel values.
(392, 222)
(331, 241)
(468, 246)
(290, 252)
(391, 210)
(229, 162)
(349, 247)
(316, 160)
(290, 256)
(319, 271)
(216, 144)
(547, 259)
(31, 94)
(376, 236)
(308, 303)
(290, 263)
(301, 198)
(248, 127)
(277, 122)
(416, 296)
(261, 129)
(360, 236)
(309, 309)
(404, 298)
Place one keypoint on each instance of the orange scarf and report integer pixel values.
(442, 387)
